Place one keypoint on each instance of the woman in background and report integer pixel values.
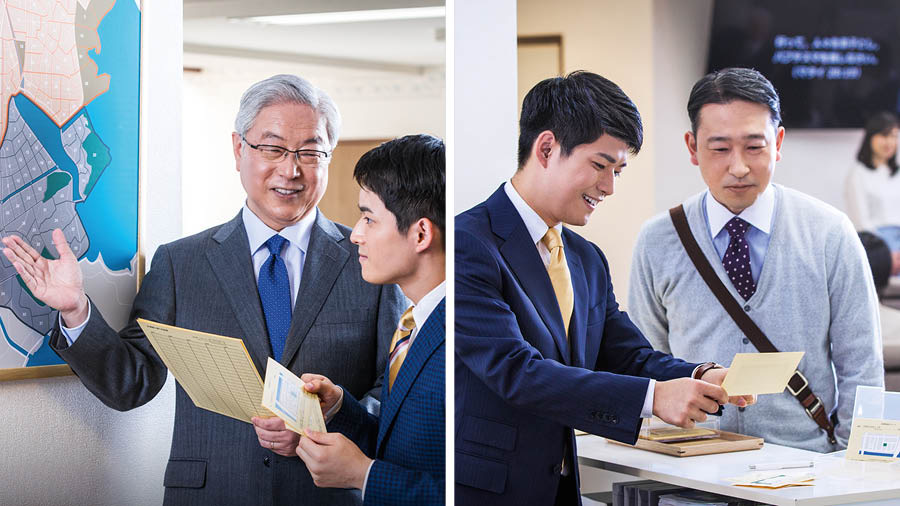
(873, 186)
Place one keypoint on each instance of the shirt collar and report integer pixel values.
(759, 214)
(536, 226)
(423, 309)
(258, 232)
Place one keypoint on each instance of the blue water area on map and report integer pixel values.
(48, 133)
(110, 212)
(44, 355)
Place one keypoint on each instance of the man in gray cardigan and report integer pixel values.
(794, 264)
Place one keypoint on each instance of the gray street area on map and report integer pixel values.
(35, 198)
(73, 139)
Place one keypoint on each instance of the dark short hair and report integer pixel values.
(879, 256)
(578, 109)
(881, 123)
(407, 174)
(727, 85)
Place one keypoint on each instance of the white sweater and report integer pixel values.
(815, 294)
(872, 197)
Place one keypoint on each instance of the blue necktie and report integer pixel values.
(737, 258)
(275, 295)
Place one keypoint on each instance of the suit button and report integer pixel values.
(615, 419)
(556, 469)
(747, 308)
(595, 415)
(745, 340)
(266, 461)
(741, 409)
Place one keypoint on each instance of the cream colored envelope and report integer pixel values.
(284, 395)
(215, 371)
(761, 373)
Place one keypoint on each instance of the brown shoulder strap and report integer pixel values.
(798, 386)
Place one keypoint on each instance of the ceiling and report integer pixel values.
(215, 27)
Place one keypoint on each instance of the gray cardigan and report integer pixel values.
(815, 294)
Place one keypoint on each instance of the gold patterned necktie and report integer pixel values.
(559, 275)
(400, 344)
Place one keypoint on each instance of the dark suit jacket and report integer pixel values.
(407, 440)
(521, 386)
(341, 328)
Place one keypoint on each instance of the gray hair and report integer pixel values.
(287, 88)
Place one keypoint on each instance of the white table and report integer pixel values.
(838, 481)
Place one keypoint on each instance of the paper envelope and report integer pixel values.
(760, 373)
(284, 395)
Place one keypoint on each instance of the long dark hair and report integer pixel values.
(881, 123)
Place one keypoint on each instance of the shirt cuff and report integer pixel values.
(647, 410)
(366, 481)
(334, 409)
(71, 334)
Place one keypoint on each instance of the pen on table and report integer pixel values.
(770, 466)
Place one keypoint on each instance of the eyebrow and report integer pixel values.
(723, 138)
(608, 158)
(272, 135)
(364, 209)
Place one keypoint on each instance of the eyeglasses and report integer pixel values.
(270, 153)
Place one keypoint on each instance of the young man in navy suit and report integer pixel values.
(541, 346)
(398, 457)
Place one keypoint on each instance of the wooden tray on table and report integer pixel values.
(720, 442)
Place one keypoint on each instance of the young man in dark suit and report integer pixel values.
(541, 346)
(396, 458)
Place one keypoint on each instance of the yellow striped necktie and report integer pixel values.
(559, 275)
(400, 344)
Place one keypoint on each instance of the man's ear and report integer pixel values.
(236, 143)
(691, 142)
(779, 138)
(543, 147)
(422, 233)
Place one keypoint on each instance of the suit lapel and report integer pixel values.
(578, 324)
(324, 261)
(232, 264)
(525, 261)
(427, 341)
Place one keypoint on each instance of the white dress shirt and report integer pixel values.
(759, 215)
(537, 229)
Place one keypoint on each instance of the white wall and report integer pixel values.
(58, 444)
(373, 104)
(485, 129)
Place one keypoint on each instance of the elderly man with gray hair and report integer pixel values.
(280, 276)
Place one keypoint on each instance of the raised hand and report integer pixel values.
(56, 283)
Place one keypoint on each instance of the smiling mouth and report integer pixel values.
(591, 201)
(287, 192)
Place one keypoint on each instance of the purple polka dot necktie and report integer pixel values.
(275, 295)
(737, 258)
